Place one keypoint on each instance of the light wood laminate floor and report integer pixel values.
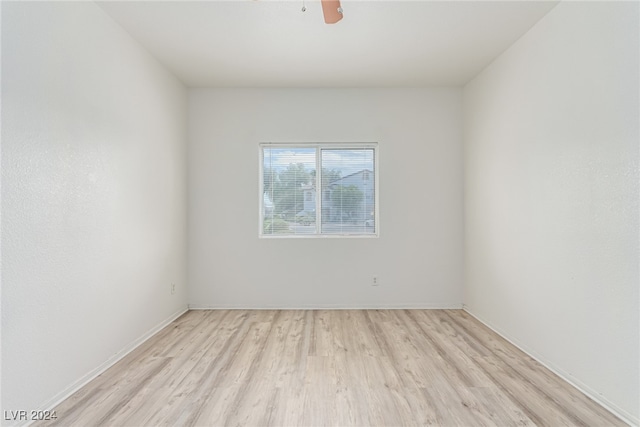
(329, 368)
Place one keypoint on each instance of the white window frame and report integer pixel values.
(319, 147)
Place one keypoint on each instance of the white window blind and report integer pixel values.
(312, 190)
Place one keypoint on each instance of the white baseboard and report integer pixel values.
(409, 306)
(592, 394)
(85, 379)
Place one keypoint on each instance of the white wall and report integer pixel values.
(418, 256)
(93, 197)
(551, 197)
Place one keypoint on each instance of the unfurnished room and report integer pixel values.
(320, 213)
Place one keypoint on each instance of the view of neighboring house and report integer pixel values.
(267, 205)
(309, 191)
(333, 209)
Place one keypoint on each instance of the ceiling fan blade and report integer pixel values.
(332, 11)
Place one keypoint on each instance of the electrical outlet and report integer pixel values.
(375, 281)
(173, 288)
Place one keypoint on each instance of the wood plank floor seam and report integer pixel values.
(541, 390)
(328, 368)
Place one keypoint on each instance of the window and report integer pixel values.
(318, 190)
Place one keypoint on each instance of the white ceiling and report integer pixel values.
(267, 43)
